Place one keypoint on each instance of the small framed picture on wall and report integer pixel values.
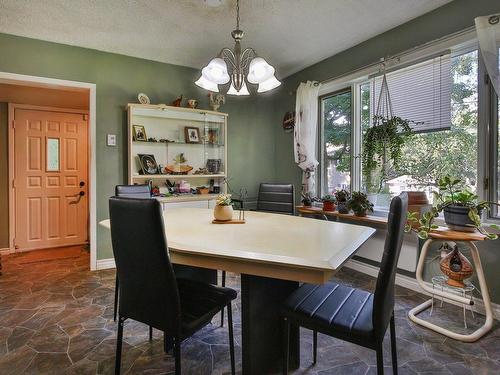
(192, 135)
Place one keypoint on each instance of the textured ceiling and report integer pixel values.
(290, 34)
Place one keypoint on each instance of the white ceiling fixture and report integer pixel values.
(245, 67)
(295, 33)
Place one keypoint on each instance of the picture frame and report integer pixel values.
(192, 134)
(139, 133)
(214, 165)
(212, 136)
(148, 164)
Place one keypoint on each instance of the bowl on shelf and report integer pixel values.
(178, 169)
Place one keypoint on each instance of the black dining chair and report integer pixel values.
(149, 290)
(130, 191)
(276, 198)
(351, 314)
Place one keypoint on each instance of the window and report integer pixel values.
(336, 144)
(442, 95)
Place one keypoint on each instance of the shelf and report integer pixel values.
(175, 176)
(177, 143)
(187, 198)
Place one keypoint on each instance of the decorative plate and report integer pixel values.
(143, 98)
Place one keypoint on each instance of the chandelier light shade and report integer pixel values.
(242, 69)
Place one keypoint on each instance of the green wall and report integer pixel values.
(118, 79)
(443, 21)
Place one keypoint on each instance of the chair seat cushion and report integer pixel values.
(200, 302)
(334, 309)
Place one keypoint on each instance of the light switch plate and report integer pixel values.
(111, 140)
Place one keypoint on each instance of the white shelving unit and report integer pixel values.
(167, 122)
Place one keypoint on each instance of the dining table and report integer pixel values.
(274, 254)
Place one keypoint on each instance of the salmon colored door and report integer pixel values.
(50, 178)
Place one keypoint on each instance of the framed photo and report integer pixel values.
(213, 136)
(192, 135)
(148, 164)
(213, 165)
(139, 133)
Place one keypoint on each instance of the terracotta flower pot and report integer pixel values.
(223, 213)
(328, 206)
(457, 267)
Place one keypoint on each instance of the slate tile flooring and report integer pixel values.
(56, 317)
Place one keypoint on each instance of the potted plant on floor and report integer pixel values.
(342, 197)
(328, 202)
(223, 210)
(462, 210)
(359, 204)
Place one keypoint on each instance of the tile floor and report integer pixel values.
(56, 317)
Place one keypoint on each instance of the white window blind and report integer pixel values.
(420, 92)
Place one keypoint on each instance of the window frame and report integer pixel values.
(459, 44)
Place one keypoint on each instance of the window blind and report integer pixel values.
(420, 92)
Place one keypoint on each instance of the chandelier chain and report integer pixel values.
(237, 14)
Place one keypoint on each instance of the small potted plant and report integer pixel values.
(328, 202)
(223, 209)
(342, 197)
(307, 199)
(359, 204)
(462, 210)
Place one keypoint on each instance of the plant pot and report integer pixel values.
(360, 213)
(342, 208)
(457, 218)
(307, 202)
(457, 267)
(328, 206)
(223, 213)
(418, 204)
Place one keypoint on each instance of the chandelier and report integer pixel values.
(242, 68)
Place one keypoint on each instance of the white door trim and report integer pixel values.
(27, 80)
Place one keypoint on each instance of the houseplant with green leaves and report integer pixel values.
(462, 210)
(359, 204)
(328, 202)
(342, 197)
(223, 210)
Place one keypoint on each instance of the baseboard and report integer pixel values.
(412, 284)
(6, 251)
(104, 264)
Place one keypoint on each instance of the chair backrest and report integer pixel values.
(148, 287)
(383, 304)
(279, 198)
(133, 191)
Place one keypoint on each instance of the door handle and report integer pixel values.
(78, 197)
(82, 183)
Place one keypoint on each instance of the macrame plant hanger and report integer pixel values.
(383, 113)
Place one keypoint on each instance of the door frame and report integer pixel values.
(44, 82)
(12, 160)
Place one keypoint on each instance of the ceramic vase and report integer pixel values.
(342, 208)
(223, 213)
(457, 267)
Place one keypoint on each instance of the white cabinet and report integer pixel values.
(177, 145)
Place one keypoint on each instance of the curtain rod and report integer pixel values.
(402, 54)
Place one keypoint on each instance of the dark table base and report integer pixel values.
(261, 299)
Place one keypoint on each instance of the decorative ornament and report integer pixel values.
(143, 98)
(289, 121)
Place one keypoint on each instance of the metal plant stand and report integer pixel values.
(444, 234)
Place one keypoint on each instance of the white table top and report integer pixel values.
(288, 242)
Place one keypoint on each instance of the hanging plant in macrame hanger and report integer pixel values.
(383, 141)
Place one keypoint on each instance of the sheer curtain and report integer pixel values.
(488, 34)
(305, 133)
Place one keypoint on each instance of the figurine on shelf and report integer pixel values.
(155, 191)
(179, 167)
(201, 170)
(216, 100)
(177, 102)
(192, 103)
(152, 139)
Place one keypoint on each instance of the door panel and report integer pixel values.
(50, 160)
